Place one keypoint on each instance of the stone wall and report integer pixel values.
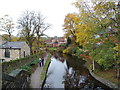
(1, 54)
(14, 54)
(26, 49)
(16, 79)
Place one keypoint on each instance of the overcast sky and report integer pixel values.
(53, 10)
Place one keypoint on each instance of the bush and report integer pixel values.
(65, 51)
(26, 67)
(34, 61)
(71, 49)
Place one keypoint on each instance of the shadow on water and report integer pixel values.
(69, 73)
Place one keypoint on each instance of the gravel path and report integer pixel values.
(36, 76)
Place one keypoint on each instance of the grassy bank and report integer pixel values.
(109, 75)
(43, 75)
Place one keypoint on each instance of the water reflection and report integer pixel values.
(68, 72)
(56, 73)
(74, 80)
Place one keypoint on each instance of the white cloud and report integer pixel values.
(54, 10)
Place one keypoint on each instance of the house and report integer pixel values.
(13, 50)
(2, 42)
(61, 41)
(56, 41)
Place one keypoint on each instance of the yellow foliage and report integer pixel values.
(117, 47)
(65, 51)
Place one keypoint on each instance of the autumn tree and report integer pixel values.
(97, 30)
(70, 23)
(7, 26)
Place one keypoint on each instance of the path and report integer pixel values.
(35, 77)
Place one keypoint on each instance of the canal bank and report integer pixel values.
(106, 82)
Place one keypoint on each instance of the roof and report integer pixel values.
(12, 45)
(2, 42)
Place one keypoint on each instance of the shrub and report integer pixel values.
(26, 67)
(65, 51)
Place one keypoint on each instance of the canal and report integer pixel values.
(69, 72)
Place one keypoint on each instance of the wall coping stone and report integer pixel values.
(14, 73)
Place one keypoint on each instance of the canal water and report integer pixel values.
(68, 72)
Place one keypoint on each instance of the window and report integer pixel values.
(7, 53)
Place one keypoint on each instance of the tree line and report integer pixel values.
(31, 26)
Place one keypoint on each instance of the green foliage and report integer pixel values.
(104, 55)
(80, 51)
(34, 61)
(52, 48)
(62, 45)
(26, 67)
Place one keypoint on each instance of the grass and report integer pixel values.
(108, 75)
(105, 74)
(43, 75)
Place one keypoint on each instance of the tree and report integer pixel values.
(27, 24)
(32, 25)
(98, 20)
(6, 37)
(95, 24)
(70, 23)
(7, 25)
(41, 28)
